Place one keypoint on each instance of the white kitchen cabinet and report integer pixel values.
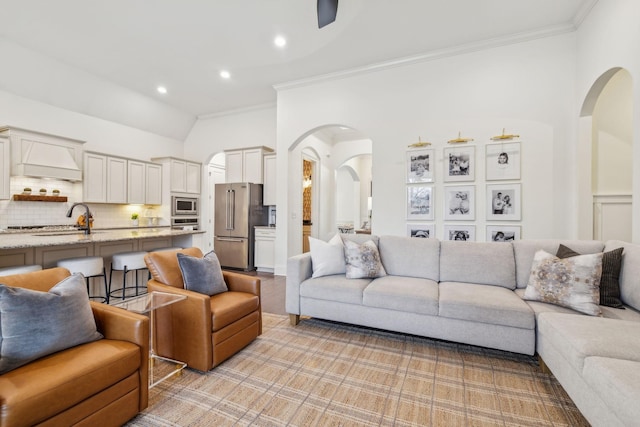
(245, 165)
(153, 195)
(264, 250)
(269, 185)
(184, 175)
(94, 185)
(136, 182)
(116, 180)
(5, 164)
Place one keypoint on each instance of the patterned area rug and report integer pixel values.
(329, 374)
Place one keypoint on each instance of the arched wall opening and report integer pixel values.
(605, 153)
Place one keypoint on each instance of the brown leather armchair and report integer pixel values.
(203, 331)
(104, 382)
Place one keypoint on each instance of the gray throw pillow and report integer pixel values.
(610, 279)
(35, 324)
(363, 261)
(202, 275)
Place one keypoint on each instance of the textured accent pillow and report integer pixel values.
(363, 261)
(610, 279)
(202, 275)
(327, 257)
(571, 282)
(35, 324)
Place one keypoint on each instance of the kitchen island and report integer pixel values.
(46, 248)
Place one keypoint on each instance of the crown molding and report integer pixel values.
(434, 55)
(241, 110)
(583, 12)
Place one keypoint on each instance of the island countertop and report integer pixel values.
(48, 238)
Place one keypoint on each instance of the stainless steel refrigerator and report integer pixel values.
(238, 208)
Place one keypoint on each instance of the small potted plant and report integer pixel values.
(26, 191)
(134, 219)
(43, 191)
(56, 192)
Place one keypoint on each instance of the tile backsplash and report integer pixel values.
(18, 213)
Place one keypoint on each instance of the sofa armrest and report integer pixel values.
(118, 324)
(183, 330)
(242, 283)
(299, 269)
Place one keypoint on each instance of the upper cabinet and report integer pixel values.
(269, 185)
(246, 165)
(4, 167)
(109, 179)
(184, 175)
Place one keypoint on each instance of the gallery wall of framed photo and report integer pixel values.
(476, 194)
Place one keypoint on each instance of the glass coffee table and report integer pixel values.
(160, 368)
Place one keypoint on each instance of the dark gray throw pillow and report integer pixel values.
(610, 278)
(202, 275)
(35, 324)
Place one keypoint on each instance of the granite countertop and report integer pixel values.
(48, 238)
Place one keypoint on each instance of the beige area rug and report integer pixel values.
(329, 374)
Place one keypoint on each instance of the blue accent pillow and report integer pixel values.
(35, 324)
(203, 275)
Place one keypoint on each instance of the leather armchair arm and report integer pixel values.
(242, 283)
(183, 329)
(119, 324)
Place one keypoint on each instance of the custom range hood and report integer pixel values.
(43, 155)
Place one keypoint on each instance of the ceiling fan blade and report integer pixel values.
(327, 10)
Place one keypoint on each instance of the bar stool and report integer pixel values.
(89, 266)
(19, 269)
(126, 262)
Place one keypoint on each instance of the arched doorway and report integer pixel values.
(606, 138)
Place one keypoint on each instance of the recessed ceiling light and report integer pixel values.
(280, 41)
(225, 74)
(162, 89)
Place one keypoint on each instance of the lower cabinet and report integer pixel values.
(265, 245)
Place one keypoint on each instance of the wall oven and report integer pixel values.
(185, 223)
(184, 206)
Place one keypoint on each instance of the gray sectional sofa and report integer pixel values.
(472, 292)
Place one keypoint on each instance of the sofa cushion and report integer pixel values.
(609, 280)
(202, 275)
(570, 282)
(577, 337)
(410, 294)
(484, 263)
(616, 382)
(525, 250)
(227, 307)
(484, 303)
(629, 272)
(363, 260)
(410, 257)
(334, 288)
(327, 258)
(47, 386)
(35, 324)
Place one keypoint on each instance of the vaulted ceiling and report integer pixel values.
(138, 45)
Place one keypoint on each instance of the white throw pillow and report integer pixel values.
(327, 257)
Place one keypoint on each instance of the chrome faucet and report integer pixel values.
(87, 227)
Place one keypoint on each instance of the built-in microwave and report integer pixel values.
(184, 206)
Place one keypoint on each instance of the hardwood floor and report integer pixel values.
(273, 291)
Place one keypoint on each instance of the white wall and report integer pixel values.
(527, 88)
(609, 38)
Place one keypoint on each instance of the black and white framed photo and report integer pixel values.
(503, 202)
(420, 165)
(460, 164)
(462, 232)
(503, 161)
(459, 203)
(425, 231)
(503, 233)
(420, 202)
